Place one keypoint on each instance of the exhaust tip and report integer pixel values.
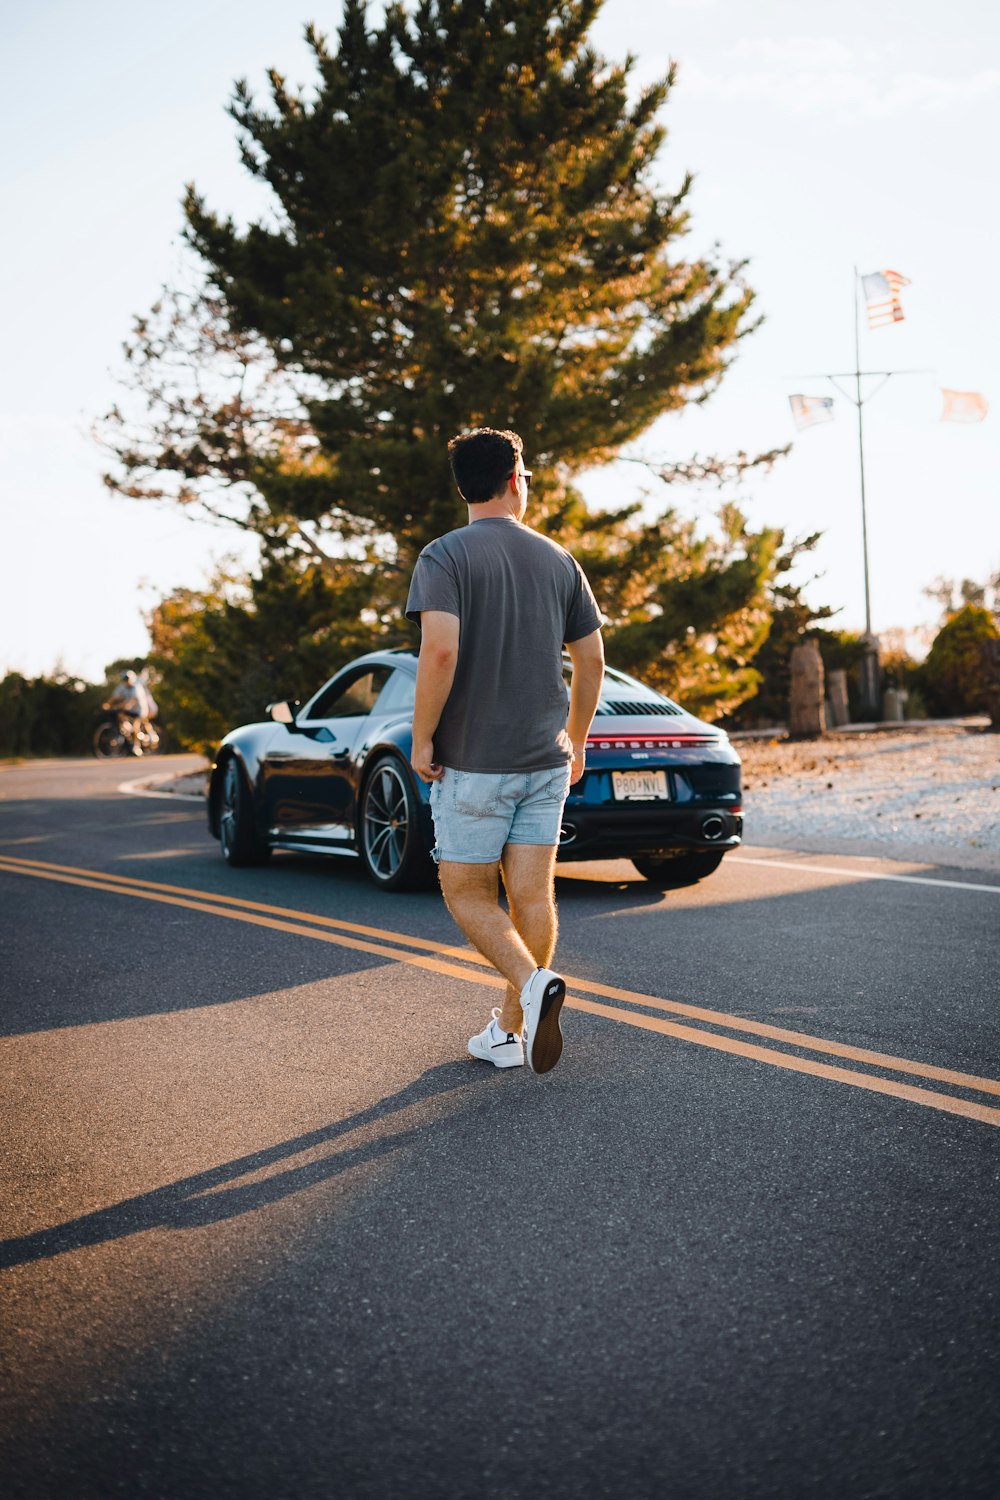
(567, 834)
(712, 827)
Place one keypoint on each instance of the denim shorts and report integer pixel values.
(477, 812)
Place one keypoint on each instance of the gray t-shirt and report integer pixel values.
(518, 596)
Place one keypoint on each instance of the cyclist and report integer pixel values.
(135, 707)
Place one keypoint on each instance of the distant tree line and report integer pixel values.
(221, 654)
(53, 715)
(47, 715)
(948, 683)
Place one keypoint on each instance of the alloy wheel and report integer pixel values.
(229, 809)
(385, 822)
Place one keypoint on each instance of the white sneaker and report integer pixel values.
(541, 1001)
(502, 1048)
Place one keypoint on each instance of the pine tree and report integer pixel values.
(465, 231)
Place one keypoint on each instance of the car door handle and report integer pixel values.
(339, 754)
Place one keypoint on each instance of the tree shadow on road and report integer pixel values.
(207, 1197)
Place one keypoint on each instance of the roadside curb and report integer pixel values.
(146, 788)
(915, 726)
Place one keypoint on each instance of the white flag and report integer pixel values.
(963, 406)
(808, 410)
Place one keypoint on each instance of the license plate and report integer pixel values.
(640, 786)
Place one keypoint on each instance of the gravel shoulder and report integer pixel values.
(930, 796)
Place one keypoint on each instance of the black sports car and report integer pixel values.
(333, 777)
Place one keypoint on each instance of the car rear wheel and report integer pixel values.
(390, 834)
(241, 844)
(672, 873)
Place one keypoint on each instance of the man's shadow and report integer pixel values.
(206, 1197)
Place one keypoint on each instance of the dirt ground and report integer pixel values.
(932, 795)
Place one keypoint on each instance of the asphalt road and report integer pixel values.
(269, 1232)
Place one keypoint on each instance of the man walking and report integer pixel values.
(496, 602)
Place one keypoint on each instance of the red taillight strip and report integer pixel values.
(650, 742)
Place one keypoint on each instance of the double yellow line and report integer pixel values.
(464, 963)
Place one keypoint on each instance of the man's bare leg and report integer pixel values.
(528, 875)
(470, 893)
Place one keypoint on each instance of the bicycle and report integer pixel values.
(124, 734)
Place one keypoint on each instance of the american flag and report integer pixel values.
(881, 291)
(808, 410)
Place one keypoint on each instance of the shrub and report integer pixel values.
(952, 678)
(47, 715)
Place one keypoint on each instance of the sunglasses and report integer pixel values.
(526, 476)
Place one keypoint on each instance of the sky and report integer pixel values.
(821, 138)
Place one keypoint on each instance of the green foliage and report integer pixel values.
(844, 650)
(686, 611)
(222, 654)
(465, 229)
(901, 670)
(206, 410)
(952, 676)
(791, 618)
(43, 716)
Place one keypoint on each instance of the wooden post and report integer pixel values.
(806, 715)
(836, 686)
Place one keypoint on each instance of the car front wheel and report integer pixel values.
(671, 874)
(390, 834)
(241, 844)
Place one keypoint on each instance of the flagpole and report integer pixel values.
(861, 452)
(869, 665)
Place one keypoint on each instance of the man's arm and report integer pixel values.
(587, 656)
(439, 635)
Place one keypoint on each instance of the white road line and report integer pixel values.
(787, 864)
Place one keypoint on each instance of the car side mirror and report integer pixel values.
(282, 713)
